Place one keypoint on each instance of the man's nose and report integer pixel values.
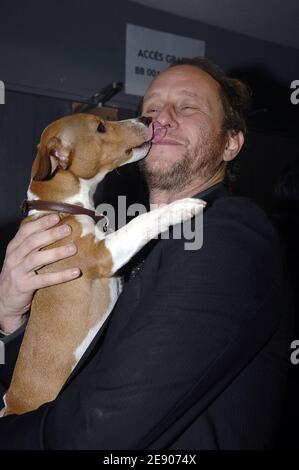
(167, 116)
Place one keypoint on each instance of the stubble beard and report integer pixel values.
(199, 162)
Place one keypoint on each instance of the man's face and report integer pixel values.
(186, 101)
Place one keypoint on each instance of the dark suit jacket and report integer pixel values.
(194, 355)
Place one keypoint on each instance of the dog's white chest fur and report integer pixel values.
(115, 288)
(128, 240)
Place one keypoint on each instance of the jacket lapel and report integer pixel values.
(130, 296)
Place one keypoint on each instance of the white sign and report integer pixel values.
(2, 92)
(149, 51)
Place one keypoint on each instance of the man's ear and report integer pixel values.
(49, 157)
(235, 141)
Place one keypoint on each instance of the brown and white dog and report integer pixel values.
(74, 155)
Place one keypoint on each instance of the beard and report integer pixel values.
(198, 162)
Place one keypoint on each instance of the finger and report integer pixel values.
(27, 229)
(50, 279)
(36, 260)
(39, 240)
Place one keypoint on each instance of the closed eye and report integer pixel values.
(187, 110)
(188, 106)
(101, 128)
(152, 110)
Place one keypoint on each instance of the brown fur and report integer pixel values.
(62, 315)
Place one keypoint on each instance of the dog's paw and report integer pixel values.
(2, 412)
(185, 209)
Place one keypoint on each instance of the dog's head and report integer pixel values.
(87, 145)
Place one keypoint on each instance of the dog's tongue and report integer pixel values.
(159, 132)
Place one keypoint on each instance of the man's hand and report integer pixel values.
(18, 279)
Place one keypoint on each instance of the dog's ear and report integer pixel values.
(49, 157)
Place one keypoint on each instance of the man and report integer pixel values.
(195, 352)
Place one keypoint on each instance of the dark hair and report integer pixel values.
(235, 95)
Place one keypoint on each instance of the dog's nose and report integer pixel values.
(145, 120)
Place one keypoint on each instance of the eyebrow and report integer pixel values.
(190, 94)
(156, 93)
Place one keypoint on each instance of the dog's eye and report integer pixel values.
(101, 128)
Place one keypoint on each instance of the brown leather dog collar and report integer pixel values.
(41, 205)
